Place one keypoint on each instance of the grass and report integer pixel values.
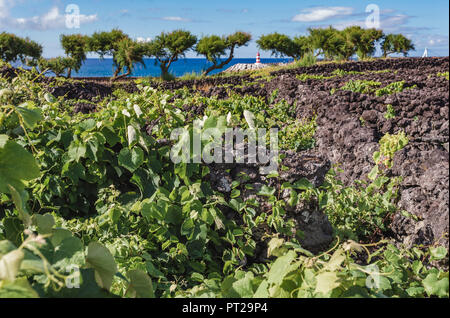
(191, 76)
(373, 87)
(340, 72)
(395, 87)
(266, 73)
(380, 71)
(444, 74)
(305, 76)
(390, 112)
(360, 86)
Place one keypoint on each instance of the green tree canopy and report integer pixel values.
(346, 40)
(304, 43)
(105, 43)
(169, 47)
(281, 45)
(366, 46)
(75, 46)
(214, 47)
(327, 41)
(124, 51)
(128, 54)
(58, 65)
(14, 48)
(356, 40)
(396, 43)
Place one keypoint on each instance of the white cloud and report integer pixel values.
(436, 44)
(143, 40)
(343, 25)
(5, 5)
(53, 19)
(394, 21)
(433, 41)
(388, 24)
(179, 19)
(321, 13)
(387, 11)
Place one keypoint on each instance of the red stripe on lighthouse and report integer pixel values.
(258, 58)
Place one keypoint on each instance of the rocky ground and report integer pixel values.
(245, 67)
(421, 112)
(350, 126)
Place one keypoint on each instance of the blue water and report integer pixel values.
(98, 68)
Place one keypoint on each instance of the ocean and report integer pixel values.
(94, 67)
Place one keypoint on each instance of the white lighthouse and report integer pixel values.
(258, 59)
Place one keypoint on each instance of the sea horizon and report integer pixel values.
(97, 67)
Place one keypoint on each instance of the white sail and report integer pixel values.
(425, 53)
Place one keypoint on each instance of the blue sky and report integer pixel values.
(425, 22)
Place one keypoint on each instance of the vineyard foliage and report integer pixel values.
(92, 206)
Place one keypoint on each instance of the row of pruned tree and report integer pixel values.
(167, 48)
(126, 53)
(335, 44)
(13, 48)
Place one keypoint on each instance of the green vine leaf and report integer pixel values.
(141, 284)
(16, 165)
(10, 265)
(30, 115)
(100, 258)
(131, 159)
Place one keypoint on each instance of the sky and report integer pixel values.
(425, 22)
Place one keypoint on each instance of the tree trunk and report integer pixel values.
(69, 72)
(209, 69)
(386, 54)
(215, 66)
(116, 72)
(164, 71)
(121, 76)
